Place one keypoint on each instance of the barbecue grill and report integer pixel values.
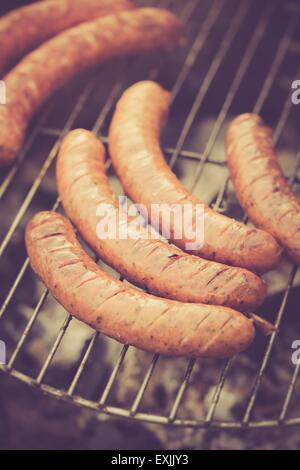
(237, 56)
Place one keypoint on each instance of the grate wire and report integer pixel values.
(178, 151)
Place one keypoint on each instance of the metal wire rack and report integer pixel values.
(225, 42)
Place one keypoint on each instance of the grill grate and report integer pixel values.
(218, 16)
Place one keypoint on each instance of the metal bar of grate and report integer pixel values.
(249, 54)
(54, 348)
(195, 50)
(266, 88)
(289, 394)
(279, 317)
(96, 128)
(278, 59)
(19, 276)
(98, 124)
(267, 354)
(39, 126)
(215, 400)
(28, 328)
(204, 88)
(82, 364)
(175, 152)
(189, 154)
(79, 105)
(284, 116)
(257, 108)
(142, 389)
(197, 46)
(282, 307)
(181, 390)
(29, 141)
(284, 113)
(193, 54)
(111, 380)
(14, 287)
(37, 182)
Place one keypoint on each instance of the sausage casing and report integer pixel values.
(43, 71)
(151, 263)
(260, 185)
(25, 28)
(147, 179)
(128, 315)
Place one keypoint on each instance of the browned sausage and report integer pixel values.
(25, 28)
(147, 179)
(57, 61)
(125, 314)
(260, 184)
(152, 264)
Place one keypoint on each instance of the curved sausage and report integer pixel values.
(147, 179)
(150, 263)
(57, 61)
(123, 313)
(260, 184)
(23, 29)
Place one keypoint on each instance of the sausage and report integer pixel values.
(58, 60)
(261, 187)
(123, 313)
(147, 179)
(150, 263)
(23, 29)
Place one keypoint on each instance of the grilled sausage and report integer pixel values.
(150, 263)
(123, 313)
(147, 179)
(44, 70)
(260, 184)
(25, 28)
